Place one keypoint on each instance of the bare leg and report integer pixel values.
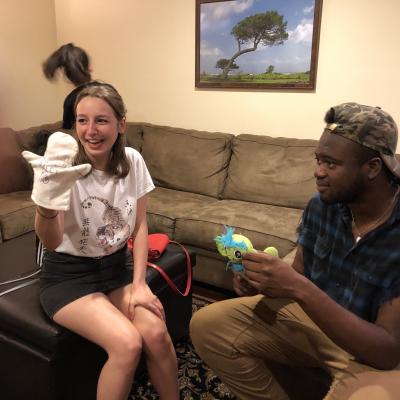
(97, 319)
(160, 353)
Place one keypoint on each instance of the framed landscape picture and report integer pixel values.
(259, 44)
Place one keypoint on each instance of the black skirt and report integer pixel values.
(66, 278)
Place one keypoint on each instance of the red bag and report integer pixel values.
(157, 244)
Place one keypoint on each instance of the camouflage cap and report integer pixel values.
(369, 126)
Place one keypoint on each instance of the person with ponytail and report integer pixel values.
(91, 193)
(74, 63)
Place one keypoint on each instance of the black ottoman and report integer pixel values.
(41, 360)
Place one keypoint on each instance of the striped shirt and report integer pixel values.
(359, 276)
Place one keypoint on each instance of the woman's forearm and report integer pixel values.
(140, 243)
(49, 226)
(140, 252)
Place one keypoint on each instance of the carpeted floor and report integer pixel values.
(196, 380)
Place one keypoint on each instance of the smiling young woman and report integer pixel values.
(87, 284)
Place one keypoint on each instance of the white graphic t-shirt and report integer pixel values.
(102, 212)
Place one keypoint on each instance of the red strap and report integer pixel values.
(168, 279)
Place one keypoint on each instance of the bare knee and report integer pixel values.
(125, 348)
(156, 337)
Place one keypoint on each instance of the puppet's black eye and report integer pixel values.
(238, 254)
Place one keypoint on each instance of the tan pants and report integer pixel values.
(239, 338)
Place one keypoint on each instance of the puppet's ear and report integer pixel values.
(272, 251)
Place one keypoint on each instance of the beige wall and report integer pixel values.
(146, 48)
(27, 36)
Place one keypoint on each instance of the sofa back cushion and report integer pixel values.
(187, 160)
(134, 134)
(268, 170)
(15, 174)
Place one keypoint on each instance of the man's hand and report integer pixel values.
(271, 276)
(241, 285)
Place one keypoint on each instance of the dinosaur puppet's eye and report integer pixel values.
(238, 254)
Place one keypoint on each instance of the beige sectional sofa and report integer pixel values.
(204, 180)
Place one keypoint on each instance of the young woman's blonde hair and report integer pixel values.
(118, 165)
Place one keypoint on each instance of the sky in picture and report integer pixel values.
(216, 40)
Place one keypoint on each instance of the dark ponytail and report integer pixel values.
(74, 62)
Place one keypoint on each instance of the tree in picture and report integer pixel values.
(267, 29)
(270, 69)
(224, 63)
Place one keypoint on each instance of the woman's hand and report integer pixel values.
(142, 296)
(54, 173)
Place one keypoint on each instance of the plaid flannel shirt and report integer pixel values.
(360, 277)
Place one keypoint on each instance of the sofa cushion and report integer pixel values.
(15, 172)
(265, 225)
(165, 205)
(271, 170)
(17, 214)
(134, 134)
(187, 160)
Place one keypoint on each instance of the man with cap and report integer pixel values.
(337, 307)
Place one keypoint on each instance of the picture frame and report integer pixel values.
(257, 44)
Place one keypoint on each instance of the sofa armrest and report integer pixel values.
(16, 172)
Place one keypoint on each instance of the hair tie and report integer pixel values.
(45, 216)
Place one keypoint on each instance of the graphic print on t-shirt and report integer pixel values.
(110, 236)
